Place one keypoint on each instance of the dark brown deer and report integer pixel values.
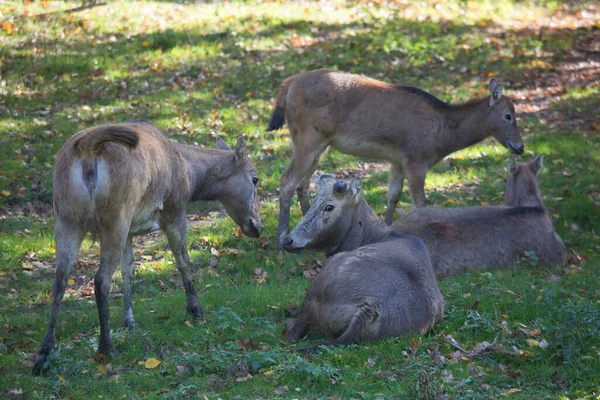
(484, 237)
(117, 181)
(378, 284)
(364, 117)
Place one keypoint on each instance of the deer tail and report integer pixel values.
(278, 115)
(92, 143)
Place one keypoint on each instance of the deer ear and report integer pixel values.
(513, 166)
(322, 179)
(355, 186)
(495, 91)
(221, 144)
(536, 164)
(241, 152)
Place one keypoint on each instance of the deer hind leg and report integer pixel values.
(68, 237)
(296, 328)
(303, 187)
(363, 318)
(416, 184)
(394, 191)
(176, 233)
(113, 244)
(304, 161)
(128, 271)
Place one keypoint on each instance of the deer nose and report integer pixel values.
(288, 243)
(516, 148)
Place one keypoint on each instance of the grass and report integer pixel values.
(201, 69)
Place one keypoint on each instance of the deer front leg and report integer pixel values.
(416, 184)
(128, 271)
(394, 191)
(68, 238)
(176, 233)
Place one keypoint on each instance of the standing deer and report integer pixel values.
(364, 117)
(477, 238)
(121, 180)
(379, 283)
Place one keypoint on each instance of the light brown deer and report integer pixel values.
(364, 117)
(117, 181)
(378, 284)
(484, 237)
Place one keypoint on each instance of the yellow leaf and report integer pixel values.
(71, 282)
(145, 44)
(5, 193)
(8, 27)
(102, 367)
(48, 165)
(151, 363)
(269, 372)
(61, 379)
(511, 391)
(533, 343)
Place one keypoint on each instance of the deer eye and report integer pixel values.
(255, 180)
(329, 207)
(508, 117)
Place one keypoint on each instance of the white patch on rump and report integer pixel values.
(80, 186)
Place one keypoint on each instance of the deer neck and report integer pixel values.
(366, 228)
(203, 166)
(464, 125)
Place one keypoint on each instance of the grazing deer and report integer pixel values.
(378, 284)
(477, 238)
(121, 180)
(364, 117)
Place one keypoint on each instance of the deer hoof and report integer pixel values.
(196, 311)
(38, 367)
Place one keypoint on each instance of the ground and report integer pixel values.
(197, 70)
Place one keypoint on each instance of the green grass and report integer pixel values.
(201, 69)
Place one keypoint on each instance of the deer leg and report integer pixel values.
(416, 185)
(362, 318)
(176, 233)
(296, 328)
(394, 191)
(68, 238)
(303, 187)
(128, 271)
(304, 161)
(112, 247)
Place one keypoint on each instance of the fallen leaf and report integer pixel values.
(151, 363)
(510, 392)
(280, 390)
(382, 373)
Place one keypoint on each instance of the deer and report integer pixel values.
(485, 237)
(377, 283)
(364, 117)
(116, 181)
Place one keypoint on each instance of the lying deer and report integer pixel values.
(477, 238)
(379, 284)
(364, 117)
(121, 180)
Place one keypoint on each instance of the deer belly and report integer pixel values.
(366, 148)
(145, 219)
